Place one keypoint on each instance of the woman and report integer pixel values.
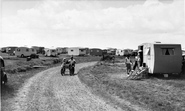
(128, 64)
(137, 62)
(63, 69)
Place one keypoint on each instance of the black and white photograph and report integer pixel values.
(92, 55)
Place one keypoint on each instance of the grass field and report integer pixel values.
(19, 71)
(155, 93)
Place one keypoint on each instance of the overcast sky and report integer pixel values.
(91, 23)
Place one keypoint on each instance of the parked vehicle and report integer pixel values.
(24, 51)
(59, 50)
(96, 52)
(9, 50)
(82, 52)
(127, 52)
(111, 51)
(4, 78)
(161, 58)
(119, 52)
(39, 50)
(74, 51)
(50, 52)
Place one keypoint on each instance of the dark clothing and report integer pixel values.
(2, 63)
(128, 64)
(135, 65)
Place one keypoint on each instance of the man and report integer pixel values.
(72, 63)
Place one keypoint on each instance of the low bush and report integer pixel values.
(55, 61)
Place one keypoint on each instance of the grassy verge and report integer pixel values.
(155, 93)
(20, 70)
(21, 65)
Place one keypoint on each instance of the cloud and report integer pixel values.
(151, 16)
(61, 18)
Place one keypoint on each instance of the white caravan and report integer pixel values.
(51, 52)
(24, 51)
(119, 52)
(73, 51)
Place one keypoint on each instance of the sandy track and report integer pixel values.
(49, 91)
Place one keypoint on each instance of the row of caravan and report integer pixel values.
(25, 51)
(76, 51)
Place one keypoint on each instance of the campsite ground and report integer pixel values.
(155, 93)
(19, 70)
(106, 80)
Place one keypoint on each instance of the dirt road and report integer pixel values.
(49, 91)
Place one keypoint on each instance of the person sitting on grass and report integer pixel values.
(140, 73)
(128, 64)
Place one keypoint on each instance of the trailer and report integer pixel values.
(119, 52)
(9, 50)
(161, 58)
(74, 51)
(127, 52)
(95, 52)
(50, 52)
(59, 50)
(24, 51)
(82, 51)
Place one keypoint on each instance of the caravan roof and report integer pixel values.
(160, 43)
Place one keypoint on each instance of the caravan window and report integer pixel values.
(27, 50)
(52, 50)
(18, 50)
(168, 51)
(71, 50)
(32, 50)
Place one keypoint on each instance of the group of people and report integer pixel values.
(70, 61)
(136, 63)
